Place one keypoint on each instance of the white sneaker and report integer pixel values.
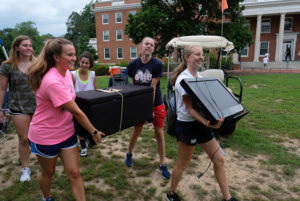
(83, 152)
(25, 174)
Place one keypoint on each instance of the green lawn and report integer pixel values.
(270, 130)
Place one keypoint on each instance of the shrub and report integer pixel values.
(101, 69)
(212, 60)
(123, 63)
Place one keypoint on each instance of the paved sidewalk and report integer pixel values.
(256, 71)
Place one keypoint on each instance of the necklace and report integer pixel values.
(23, 64)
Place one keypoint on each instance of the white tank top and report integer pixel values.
(81, 85)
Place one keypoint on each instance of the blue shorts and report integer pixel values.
(192, 133)
(52, 151)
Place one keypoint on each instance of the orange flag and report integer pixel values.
(224, 5)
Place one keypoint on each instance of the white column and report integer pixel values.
(257, 38)
(280, 37)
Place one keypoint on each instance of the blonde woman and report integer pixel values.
(192, 128)
(13, 72)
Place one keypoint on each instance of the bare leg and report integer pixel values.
(218, 163)
(21, 123)
(48, 169)
(70, 158)
(133, 138)
(185, 153)
(160, 138)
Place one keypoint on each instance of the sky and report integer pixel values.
(49, 16)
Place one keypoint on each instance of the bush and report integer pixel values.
(227, 64)
(212, 60)
(101, 69)
(123, 63)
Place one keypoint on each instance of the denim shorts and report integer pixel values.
(192, 133)
(52, 151)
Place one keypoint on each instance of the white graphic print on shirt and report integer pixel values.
(143, 78)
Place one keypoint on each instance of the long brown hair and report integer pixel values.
(45, 60)
(183, 65)
(14, 54)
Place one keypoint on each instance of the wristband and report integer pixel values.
(95, 132)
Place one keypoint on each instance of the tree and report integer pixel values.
(28, 28)
(164, 20)
(81, 27)
(24, 28)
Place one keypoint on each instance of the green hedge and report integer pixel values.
(101, 69)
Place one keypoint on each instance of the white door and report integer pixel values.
(287, 43)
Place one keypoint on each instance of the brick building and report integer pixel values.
(275, 25)
(110, 19)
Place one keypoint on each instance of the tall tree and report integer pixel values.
(27, 28)
(81, 27)
(165, 19)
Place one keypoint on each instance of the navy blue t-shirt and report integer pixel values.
(142, 74)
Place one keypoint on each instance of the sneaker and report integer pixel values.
(83, 152)
(51, 198)
(231, 199)
(172, 197)
(164, 171)
(25, 174)
(128, 160)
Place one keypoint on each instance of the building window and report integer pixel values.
(119, 34)
(244, 51)
(106, 53)
(288, 24)
(106, 35)
(133, 12)
(133, 53)
(120, 53)
(265, 26)
(118, 17)
(104, 18)
(264, 48)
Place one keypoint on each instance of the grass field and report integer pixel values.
(264, 149)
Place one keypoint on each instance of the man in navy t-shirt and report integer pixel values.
(147, 71)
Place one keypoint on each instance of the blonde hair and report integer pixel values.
(13, 58)
(183, 65)
(45, 60)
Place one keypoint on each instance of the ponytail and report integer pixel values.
(183, 65)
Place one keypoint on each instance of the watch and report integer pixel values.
(95, 132)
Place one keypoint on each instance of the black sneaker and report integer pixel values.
(172, 197)
(231, 199)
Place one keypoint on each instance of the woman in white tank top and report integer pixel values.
(84, 80)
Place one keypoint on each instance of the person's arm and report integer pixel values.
(95, 82)
(188, 102)
(73, 78)
(82, 119)
(153, 85)
(3, 87)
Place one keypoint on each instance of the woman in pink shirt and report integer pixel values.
(51, 131)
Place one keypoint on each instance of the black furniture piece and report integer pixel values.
(116, 108)
(212, 98)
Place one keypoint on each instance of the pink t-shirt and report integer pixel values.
(50, 123)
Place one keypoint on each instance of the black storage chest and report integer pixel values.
(116, 108)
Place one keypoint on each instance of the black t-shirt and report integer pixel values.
(142, 74)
